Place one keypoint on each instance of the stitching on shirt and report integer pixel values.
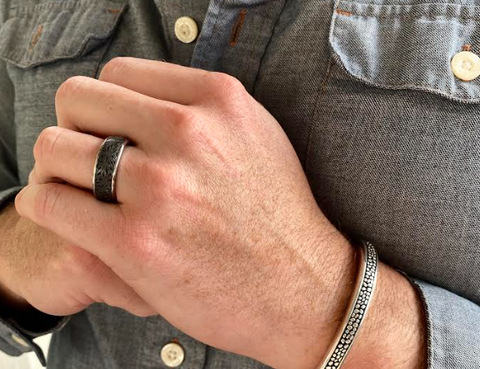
(267, 45)
(344, 12)
(427, 317)
(237, 27)
(113, 11)
(35, 38)
(251, 59)
(446, 92)
(213, 29)
(321, 91)
(26, 10)
(407, 16)
(19, 57)
(96, 74)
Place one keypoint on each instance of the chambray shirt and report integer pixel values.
(388, 136)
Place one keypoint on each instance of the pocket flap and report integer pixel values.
(406, 46)
(56, 30)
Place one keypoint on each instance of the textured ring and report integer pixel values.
(106, 166)
(359, 303)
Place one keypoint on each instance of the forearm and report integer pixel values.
(393, 333)
(9, 222)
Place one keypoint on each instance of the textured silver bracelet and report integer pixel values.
(357, 309)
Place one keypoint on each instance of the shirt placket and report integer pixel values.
(235, 37)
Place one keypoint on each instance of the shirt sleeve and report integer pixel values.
(453, 334)
(16, 331)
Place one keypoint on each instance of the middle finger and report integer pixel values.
(104, 109)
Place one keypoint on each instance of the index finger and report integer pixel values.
(157, 79)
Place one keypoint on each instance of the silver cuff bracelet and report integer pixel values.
(359, 303)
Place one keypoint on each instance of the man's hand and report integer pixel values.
(216, 226)
(38, 269)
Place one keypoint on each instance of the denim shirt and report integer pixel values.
(387, 134)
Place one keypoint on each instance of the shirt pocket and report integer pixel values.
(394, 149)
(57, 30)
(45, 44)
(406, 45)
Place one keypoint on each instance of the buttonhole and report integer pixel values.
(36, 36)
(237, 27)
(113, 11)
(344, 12)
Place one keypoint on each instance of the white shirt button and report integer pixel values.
(20, 340)
(186, 29)
(172, 355)
(465, 65)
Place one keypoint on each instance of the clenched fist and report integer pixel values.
(215, 228)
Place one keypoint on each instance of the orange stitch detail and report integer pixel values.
(36, 37)
(114, 11)
(344, 12)
(466, 47)
(237, 28)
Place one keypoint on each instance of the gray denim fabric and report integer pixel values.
(388, 137)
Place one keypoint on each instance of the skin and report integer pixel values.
(216, 228)
(55, 276)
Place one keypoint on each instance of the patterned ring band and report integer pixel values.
(106, 166)
(359, 303)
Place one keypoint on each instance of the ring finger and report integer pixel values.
(63, 154)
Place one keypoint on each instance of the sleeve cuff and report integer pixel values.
(452, 328)
(17, 333)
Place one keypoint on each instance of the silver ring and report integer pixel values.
(106, 166)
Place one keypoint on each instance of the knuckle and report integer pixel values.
(46, 143)
(176, 114)
(183, 192)
(224, 84)
(90, 265)
(33, 176)
(179, 119)
(136, 306)
(114, 68)
(46, 201)
(140, 244)
(147, 172)
(80, 262)
(186, 119)
(77, 300)
(65, 264)
(142, 312)
(71, 87)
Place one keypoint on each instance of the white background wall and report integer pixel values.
(26, 361)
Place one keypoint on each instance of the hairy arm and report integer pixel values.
(12, 229)
(393, 334)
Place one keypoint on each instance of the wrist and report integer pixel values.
(324, 300)
(10, 300)
(393, 333)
